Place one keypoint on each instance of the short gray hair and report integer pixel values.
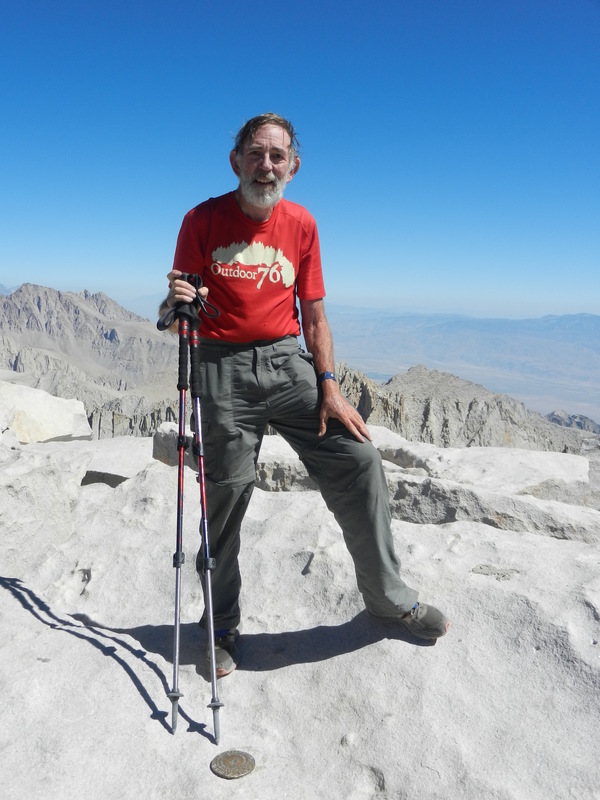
(249, 129)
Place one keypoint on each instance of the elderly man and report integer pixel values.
(258, 256)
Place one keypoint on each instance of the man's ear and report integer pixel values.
(234, 163)
(294, 169)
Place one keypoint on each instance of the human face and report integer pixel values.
(264, 167)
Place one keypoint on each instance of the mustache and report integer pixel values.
(268, 176)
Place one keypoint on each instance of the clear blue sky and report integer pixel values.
(451, 148)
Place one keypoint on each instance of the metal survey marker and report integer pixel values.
(232, 764)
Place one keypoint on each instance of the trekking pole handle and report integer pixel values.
(184, 341)
(200, 302)
(189, 310)
(195, 360)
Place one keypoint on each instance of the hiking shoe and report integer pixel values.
(226, 651)
(426, 622)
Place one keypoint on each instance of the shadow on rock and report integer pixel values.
(107, 641)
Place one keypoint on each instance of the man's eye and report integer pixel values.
(257, 155)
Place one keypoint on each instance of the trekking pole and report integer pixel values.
(186, 314)
(208, 563)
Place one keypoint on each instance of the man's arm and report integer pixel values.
(319, 342)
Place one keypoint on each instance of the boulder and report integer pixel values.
(278, 467)
(33, 415)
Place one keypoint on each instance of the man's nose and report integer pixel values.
(265, 162)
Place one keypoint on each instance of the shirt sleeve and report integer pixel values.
(189, 253)
(310, 284)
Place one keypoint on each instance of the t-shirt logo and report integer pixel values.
(255, 262)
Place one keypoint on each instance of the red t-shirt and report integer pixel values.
(253, 270)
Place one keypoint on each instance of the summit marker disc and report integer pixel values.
(232, 764)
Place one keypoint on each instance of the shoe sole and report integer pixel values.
(427, 637)
(392, 622)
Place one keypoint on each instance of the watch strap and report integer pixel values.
(327, 376)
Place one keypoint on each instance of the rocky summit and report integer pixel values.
(326, 701)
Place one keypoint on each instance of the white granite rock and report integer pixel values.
(33, 415)
(328, 703)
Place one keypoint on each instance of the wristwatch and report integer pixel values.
(327, 376)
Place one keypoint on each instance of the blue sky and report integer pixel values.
(451, 148)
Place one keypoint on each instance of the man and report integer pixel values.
(258, 256)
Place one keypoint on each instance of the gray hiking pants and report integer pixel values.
(243, 389)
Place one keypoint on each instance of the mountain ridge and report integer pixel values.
(124, 370)
(548, 363)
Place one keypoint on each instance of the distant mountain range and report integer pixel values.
(550, 364)
(87, 346)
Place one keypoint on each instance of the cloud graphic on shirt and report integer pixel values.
(256, 255)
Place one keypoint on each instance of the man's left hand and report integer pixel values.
(335, 406)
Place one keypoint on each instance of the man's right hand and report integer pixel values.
(181, 291)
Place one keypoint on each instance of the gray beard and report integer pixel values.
(259, 195)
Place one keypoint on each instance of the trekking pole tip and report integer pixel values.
(174, 697)
(216, 704)
(216, 725)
